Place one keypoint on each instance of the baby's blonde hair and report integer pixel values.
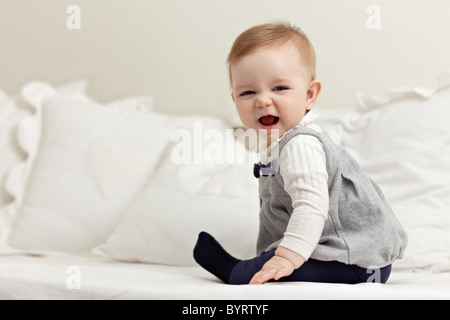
(272, 34)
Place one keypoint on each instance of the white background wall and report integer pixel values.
(175, 50)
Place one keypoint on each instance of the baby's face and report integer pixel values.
(270, 88)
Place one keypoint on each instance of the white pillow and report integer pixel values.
(12, 111)
(344, 126)
(405, 148)
(87, 165)
(162, 224)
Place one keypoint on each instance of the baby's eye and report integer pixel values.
(280, 88)
(246, 93)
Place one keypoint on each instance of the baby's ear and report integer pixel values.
(314, 88)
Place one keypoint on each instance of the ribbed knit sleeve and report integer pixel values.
(303, 168)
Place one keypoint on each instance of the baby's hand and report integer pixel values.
(275, 268)
(282, 264)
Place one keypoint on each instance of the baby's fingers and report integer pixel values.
(264, 275)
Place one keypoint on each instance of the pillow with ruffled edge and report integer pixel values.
(86, 162)
(13, 109)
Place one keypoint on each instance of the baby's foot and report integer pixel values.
(211, 256)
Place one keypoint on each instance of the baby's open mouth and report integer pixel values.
(268, 120)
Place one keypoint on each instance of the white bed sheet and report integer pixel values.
(55, 277)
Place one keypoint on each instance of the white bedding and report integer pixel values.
(56, 277)
(81, 187)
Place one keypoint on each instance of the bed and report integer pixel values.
(54, 277)
(98, 204)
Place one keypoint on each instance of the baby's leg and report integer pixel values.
(244, 271)
(311, 271)
(211, 256)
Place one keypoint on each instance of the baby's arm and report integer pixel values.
(303, 168)
(282, 264)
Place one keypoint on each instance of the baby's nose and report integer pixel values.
(263, 101)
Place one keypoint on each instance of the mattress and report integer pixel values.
(93, 277)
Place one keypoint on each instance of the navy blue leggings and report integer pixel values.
(312, 271)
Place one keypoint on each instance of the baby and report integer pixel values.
(321, 218)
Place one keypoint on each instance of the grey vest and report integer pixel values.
(361, 228)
